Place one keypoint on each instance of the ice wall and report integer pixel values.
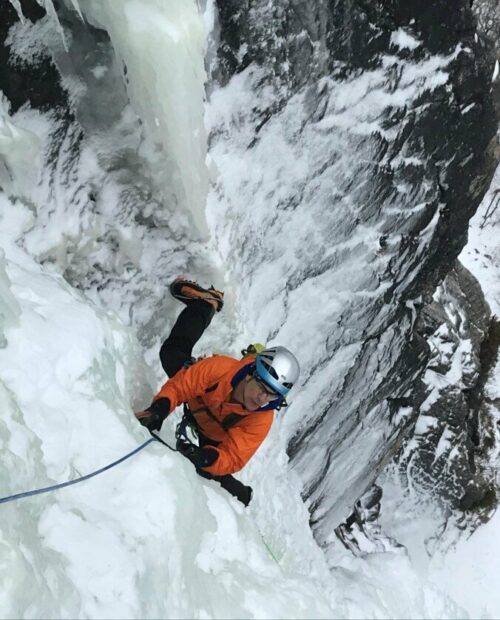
(151, 539)
(146, 539)
(107, 215)
(9, 308)
(161, 46)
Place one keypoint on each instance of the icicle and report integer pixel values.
(17, 6)
(9, 307)
(161, 44)
(19, 150)
(76, 6)
(52, 13)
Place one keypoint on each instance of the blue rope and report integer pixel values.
(11, 498)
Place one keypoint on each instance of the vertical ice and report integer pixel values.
(17, 6)
(9, 308)
(18, 153)
(161, 44)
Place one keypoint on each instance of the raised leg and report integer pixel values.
(188, 329)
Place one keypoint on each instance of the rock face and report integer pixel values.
(488, 18)
(392, 186)
(445, 457)
(40, 88)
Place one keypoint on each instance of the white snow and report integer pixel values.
(424, 423)
(401, 38)
(481, 255)
(469, 571)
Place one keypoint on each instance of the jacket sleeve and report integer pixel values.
(190, 382)
(241, 443)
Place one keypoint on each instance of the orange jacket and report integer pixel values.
(206, 387)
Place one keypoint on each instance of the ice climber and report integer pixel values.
(230, 403)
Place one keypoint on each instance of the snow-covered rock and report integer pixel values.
(446, 456)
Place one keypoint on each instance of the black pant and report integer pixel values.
(177, 349)
(175, 353)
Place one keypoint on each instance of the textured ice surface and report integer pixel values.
(107, 215)
(147, 539)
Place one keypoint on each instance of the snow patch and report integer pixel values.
(402, 39)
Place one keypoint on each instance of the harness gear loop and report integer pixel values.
(187, 421)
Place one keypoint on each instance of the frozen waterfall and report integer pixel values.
(106, 197)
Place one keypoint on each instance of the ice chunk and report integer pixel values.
(19, 150)
(9, 308)
(52, 13)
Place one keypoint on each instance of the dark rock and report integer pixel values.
(445, 454)
(38, 86)
(361, 533)
(488, 16)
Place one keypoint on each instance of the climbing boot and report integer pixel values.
(187, 290)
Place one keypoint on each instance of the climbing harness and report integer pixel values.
(12, 498)
(187, 422)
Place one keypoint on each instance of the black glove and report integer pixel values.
(246, 494)
(153, 417)
(241, 491)
(199, 457)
